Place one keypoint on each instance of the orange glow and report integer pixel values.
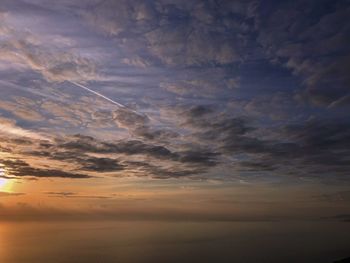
(2, 182)
(5, 184)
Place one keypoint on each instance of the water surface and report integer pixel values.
(141, 242)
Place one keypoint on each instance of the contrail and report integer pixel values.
(108, 99)
(96, 93)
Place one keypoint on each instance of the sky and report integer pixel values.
(186, 109)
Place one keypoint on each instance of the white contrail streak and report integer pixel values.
(106, 98)
(96, 93)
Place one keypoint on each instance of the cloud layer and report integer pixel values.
(213, 89)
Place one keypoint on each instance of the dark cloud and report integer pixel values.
(19, 141)
(77, 150)
(145, 168)
(64, 194)
(256, 166)
(139, 125)
(310, 38)
(342, 217)
(316, 148)
(8, 194)
(84, 161)
(158, 135)
(219, 127)
(75, 195)
(101, 165)
(22, 169)
(198, 111)
(83, 144)
(322, 145)
(340, 196)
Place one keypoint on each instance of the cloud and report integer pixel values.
(140, 168)
(315, 148)
(342, 217)
(83, 143)
(276, 106)
(25, 48)
(20, 168)
(23, 108)
(129, 119)
(126, 156)
(9, 194)
(210, 139)
(55, 65)
(135, 147)
(75, 195)
(312, 45)
(62, 194)
(216, 87)
(176, 34)
(212, 125)
(340, 196)
(9, 127)
(83, 161)
(101, 165)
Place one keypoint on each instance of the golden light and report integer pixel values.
(2, 182)
(5, 184)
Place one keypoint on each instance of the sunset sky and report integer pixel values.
(174, 110)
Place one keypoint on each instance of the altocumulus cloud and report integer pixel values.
(208, 85)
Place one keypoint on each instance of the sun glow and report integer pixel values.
(2, 182)
(5, 184)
